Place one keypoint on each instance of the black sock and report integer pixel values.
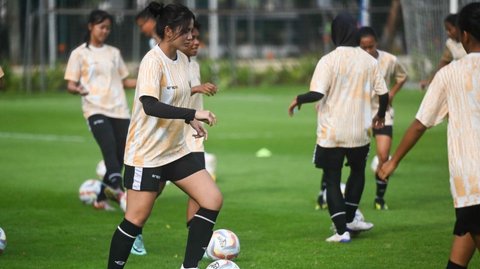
(200, 232)
(101, 195)
(452, 265)
(339, 220)
(113, 180)
(121, 244)
(350, 211)
(381, 187)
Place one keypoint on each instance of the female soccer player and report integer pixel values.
(156, 148)
(391, 69)
(344, 81)
(454, 93)
(147, 24)
(453, 47)
(96, 71)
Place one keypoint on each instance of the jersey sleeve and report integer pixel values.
(149, 78)
(399, 72)
(74, 66)
(321, 79)
(433, 108)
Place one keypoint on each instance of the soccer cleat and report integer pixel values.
(359, 226)
(380, 204)
(103, 205)
(138, 247)
(336, 238)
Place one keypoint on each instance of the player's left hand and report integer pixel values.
(198, 127)
(293, 106)
(208, 89)
(377, 122)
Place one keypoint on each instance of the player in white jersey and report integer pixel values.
(454, 94)
(391, 69)
(453, 47)
(344, 81)
(97, 72)
(196, 102)
(156, 148)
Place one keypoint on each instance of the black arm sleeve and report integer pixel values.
(153, 107)
(309, 97)
(383, 103)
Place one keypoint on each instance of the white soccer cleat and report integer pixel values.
(359, 226)
(138, 247)
(336, 238)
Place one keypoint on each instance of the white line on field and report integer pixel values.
(42, 137)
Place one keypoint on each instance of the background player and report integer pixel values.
(391, 70)
(96, 71)
(344, 81)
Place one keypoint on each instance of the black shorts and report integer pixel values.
(150, 179)
(332, 158)
(468, 220)
(385, 130)
(200, 155)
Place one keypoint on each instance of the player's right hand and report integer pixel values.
(206, 116)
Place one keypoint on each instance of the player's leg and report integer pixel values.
(143, 189)
(331, 161)
(383, 139)
(357, 160)
(120, 127)
(466, 236)
(321, 199)
(188, 174)
(104, 133)
(192, 205)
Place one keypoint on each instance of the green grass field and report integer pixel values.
(46, 152)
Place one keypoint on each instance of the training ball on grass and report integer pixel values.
(101, 169)
(374, 163)
(224, 244)
(3, 240)
(89, 191)
(223, 264)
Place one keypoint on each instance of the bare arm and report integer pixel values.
(129, 83)
(410, 138)
(74, 87)
(395, 89)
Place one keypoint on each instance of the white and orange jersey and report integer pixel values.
(1, 72)
(391, 69)
(347, 77)
(152, 141)
(455, 94)
(196, 102)
(100, 71)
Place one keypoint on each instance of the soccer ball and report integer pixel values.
(374, 164)
(123, 201)
(224, 244)
(223, 264)
(89, 190)
(211, 164)
(101, 169)
(3, 241)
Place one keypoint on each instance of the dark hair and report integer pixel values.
(96, 16)
(367, 31)
(344, 30)
(172, 15)
(469, 19)
(145, 14)
(452, 19)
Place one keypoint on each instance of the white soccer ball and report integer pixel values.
(223, 264)
(374, 164)
(101, 169)
(3, 240)
(224, 244)
(89, 190)
(123, 201)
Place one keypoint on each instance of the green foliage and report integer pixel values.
(47, 152)
(16, 81)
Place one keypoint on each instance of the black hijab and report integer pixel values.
(344, 31)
